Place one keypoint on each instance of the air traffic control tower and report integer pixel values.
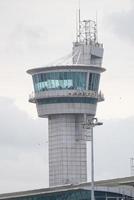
(66, 94)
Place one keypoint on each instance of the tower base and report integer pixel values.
(67, 149)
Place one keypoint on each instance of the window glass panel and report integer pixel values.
(70, 80)
(65, 84)
(76, 80)
(94, 81)
(59, 81)
(41, 77)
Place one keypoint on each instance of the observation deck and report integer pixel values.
(66, 89)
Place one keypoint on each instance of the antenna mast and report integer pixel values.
(96, 21)
(79, 23)
(86, 30)
(132, 166)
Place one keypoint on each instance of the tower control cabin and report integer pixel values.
(66, 94)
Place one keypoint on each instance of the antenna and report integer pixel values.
(96, 22)
(132, 166)
(76, 27)
(79, 23)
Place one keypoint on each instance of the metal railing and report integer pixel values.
(66, 93)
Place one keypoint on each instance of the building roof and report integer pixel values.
(128, 181)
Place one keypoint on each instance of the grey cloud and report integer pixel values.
(26, 38)
(114, 145)
(23, 149)
(31, 35)
(122, 24)
(18, 130)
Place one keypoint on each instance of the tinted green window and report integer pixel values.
(94, 81)
(59, 81)
(67, 100)
(79, 194)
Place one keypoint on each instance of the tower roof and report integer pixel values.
(60, 67)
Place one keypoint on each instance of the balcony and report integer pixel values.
(65, 93)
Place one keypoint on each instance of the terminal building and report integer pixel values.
(114, 189)
(68, 94)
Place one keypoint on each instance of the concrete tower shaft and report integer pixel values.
(67, 153)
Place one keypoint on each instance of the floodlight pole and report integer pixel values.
(90, 124)
(92, 165)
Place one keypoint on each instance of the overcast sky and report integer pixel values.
(36, 32)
